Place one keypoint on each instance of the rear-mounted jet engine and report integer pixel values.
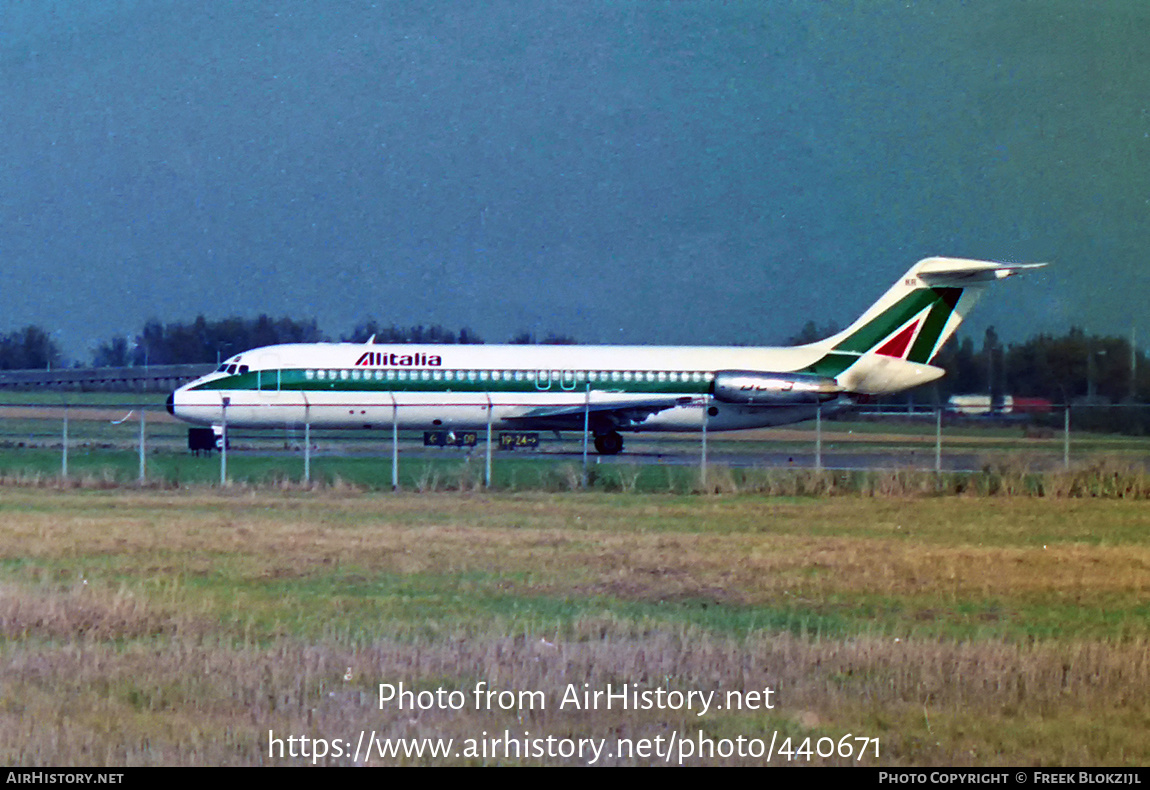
(754, 388)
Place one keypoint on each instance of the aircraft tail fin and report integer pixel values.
(922, 310)
(912, 320)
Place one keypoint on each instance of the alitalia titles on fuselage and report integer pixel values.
(384, 359)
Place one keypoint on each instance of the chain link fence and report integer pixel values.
(125, 441)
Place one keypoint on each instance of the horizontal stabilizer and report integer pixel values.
(957, 272)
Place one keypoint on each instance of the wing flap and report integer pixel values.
(613, 414)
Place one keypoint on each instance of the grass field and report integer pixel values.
(181, 626)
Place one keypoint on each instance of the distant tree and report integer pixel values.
(29, 348)
(201, 341)
(958, 357)
(468, 337)
(990, 349)
(415, 334)
(552, 339)
(1055, 367)
(811, 333)
(111, 353)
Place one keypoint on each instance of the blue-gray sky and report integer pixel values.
(642, 172)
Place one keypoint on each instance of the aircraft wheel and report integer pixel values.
(609, 443)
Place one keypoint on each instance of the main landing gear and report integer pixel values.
(609, 443)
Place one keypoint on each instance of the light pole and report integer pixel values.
(1091, 374)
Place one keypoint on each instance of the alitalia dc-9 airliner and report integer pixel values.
(602, 390)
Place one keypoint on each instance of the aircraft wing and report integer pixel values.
(611, 415)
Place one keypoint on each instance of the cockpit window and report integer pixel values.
(222, 368)
(231, 370)
(243, 368)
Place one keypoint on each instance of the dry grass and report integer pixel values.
(751, 549)
(1007, 474)
(159, 627)
(193, 701)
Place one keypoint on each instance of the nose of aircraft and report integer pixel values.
(171, 404)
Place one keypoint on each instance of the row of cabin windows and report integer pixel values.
(594, 376)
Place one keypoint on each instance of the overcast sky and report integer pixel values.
(642, 172)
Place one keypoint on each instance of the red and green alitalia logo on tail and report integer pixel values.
(909, 329)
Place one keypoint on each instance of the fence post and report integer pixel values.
(64, 456)
(394, 443)
(819, 438)
(586, 427)
(224, 445)
(143, 452)
(487, 468)
(703, 459)
(938, 441)
(307, 447)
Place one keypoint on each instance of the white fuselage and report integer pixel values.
(345, 385)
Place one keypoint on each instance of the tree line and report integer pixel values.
(29, 348)
(1071, 367)
(1060, 368)
(202, 341)
(1067, 368)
